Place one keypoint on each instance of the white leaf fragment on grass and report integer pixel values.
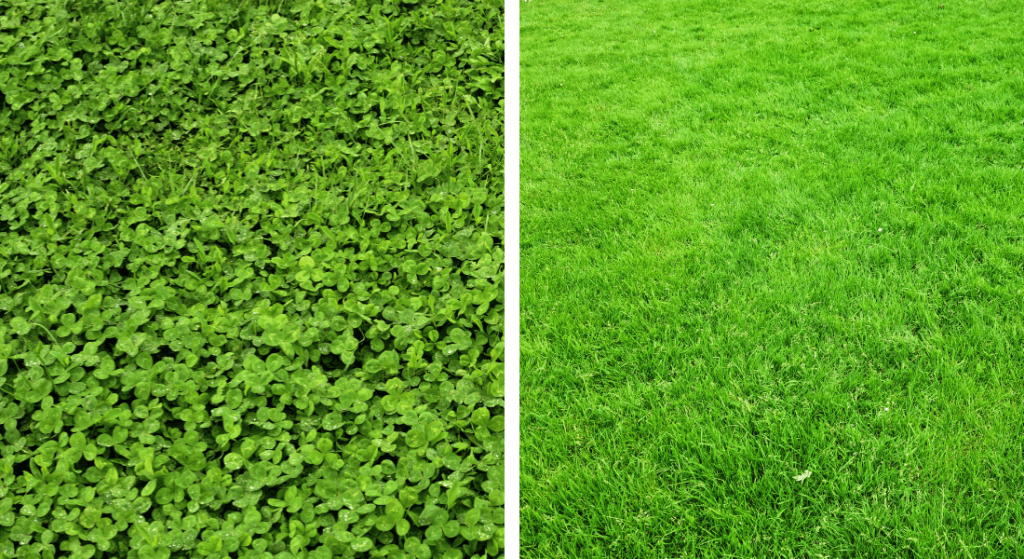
(803, 476)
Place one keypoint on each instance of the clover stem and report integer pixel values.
(48, 333)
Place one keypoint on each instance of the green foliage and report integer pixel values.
(251, 278)
(766, 238)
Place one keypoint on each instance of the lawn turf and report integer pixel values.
(766, 238)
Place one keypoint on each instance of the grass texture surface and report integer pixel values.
(772, 279)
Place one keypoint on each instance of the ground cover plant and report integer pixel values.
(251, 279)
(772, 279)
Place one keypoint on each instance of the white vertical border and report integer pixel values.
(511, 279)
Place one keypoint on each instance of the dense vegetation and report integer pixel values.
(772, 279)
(251, 279)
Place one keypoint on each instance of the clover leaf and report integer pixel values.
(362, 544)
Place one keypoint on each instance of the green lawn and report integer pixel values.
(763, 238)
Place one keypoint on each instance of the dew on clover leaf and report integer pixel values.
(233, 461)
(352, 498)
(362, 544)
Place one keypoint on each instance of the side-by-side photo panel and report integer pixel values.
(772, 279)
(252, 277)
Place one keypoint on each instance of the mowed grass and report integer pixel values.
(764, 238)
